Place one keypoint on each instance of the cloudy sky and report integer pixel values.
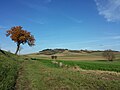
(72, 24)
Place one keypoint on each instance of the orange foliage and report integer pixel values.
(20, 36)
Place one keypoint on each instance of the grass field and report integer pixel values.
(33, 73)
(96, 65)
(43, 75)
(8, 70)
(90, 65)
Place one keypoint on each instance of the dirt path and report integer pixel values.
(22, 80)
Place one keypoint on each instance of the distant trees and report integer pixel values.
(20, 36)
(51, 51)
(109, 55)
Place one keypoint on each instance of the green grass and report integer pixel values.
(96, 65)
(39, 74)
(8, 71)
(42, 75)
(88, 65)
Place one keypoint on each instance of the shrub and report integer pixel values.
(109, 55)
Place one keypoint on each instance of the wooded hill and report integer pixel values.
(55, 51)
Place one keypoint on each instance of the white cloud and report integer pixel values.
(110, 9)
(74, 19)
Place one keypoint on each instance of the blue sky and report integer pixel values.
(71, 24)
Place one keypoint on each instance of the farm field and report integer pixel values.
(74, 56)
(96, 65)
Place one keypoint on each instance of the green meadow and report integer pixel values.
(26, 73)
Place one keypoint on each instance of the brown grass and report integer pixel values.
(74, 56)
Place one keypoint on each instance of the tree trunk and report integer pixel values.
(18, 47)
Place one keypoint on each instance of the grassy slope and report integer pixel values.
(40, 75)
(8, 70)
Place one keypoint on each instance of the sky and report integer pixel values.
(69, 24)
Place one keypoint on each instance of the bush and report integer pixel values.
(109, 55)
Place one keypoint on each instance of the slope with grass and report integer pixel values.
(8, 70)
(43, 75)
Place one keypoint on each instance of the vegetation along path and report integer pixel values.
(41, 75)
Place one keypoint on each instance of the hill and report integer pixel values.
(8, 70)
(52, 51)
(56, 51)
(65, 54)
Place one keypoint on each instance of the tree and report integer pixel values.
(20, 36)
(20, 49)
(109, 55)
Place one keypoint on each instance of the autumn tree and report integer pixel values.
(20, 49)
(20, 36)
(109, 55)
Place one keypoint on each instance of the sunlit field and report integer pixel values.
(43, 75)
(75, 56)
(30, 73)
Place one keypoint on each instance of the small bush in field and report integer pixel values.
(109, 55)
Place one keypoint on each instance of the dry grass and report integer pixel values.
(70, 56)
(74, 56)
